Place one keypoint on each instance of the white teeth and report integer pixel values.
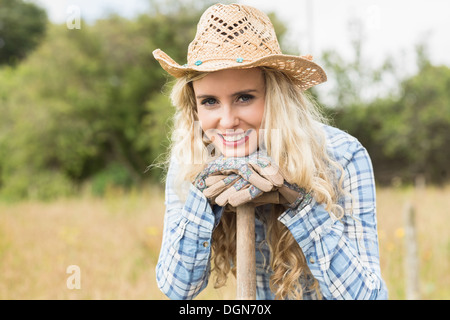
(234, 138)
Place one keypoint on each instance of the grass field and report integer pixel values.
(115, 243)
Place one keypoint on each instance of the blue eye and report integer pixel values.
(209, 101)
(245, 98)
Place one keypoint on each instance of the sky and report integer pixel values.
(391, 27)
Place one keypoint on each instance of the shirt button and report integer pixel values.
(311, 260)
(206, 244)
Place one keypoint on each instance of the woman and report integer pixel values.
(244, 128)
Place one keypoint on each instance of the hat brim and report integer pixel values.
(304, 72)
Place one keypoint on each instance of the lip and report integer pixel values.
(230, 133)
(236, 143)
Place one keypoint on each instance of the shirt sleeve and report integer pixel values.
(342, 254)
(183, 266)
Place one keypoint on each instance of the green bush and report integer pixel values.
(45, 186)
(115, 175)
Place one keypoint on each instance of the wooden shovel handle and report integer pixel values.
(245, 252)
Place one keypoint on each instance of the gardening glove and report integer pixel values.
(244, 179)
(213, 167)
(240, 192)
(216, 184)
(294, 195)
(235, 191)
(257, 169)
(221, 189)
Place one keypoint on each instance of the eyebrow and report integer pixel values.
(232, 95)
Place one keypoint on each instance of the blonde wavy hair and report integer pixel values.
(300, 151)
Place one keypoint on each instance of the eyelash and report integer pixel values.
(205, 102)
(248, 98)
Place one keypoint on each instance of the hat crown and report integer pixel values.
(230, 32)
(240, 37)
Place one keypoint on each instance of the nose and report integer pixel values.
(229, 118)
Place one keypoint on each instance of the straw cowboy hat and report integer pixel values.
(237, 37)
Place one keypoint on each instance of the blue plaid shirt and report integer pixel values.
(341, 254)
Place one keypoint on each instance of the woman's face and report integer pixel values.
(230, 106)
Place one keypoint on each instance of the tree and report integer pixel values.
(22, 27)
(417, 128)
(357, 81)
(93, 108)
(403, 122)
(407, 132)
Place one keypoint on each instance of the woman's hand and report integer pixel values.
(294, 195)
(248, 176)
(235, 190)
(254, 178)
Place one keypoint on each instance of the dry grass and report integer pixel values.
(433, 239)
(115, 241)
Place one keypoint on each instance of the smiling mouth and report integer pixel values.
(234, 139)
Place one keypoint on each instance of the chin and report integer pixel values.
(237, 152)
